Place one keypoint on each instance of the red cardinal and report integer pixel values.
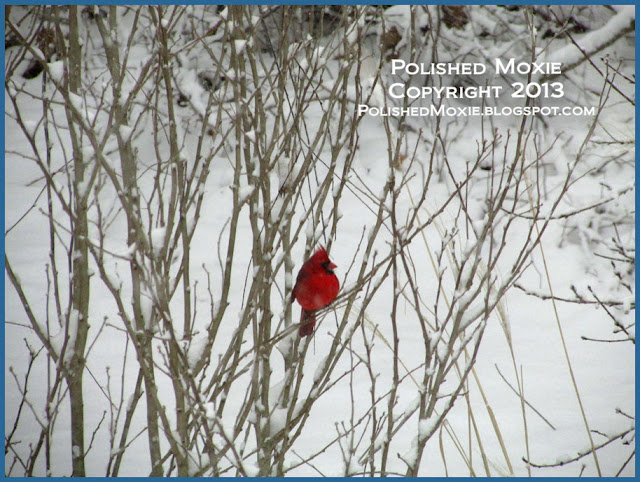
(316, 287)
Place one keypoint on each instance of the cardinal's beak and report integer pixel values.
(331, 265)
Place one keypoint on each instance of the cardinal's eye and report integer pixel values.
(326, 267)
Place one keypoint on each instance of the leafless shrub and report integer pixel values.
(147, 114)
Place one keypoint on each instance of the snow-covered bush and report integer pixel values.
(168, 170)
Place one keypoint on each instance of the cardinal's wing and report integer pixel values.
(302, 275)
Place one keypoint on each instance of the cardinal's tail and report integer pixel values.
(307, 322)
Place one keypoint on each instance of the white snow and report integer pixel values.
(157, 237)
(319, 369)
(576, 245)
(210, 410)
(594, 40)
(426, 427)
(146, 307)
(240, 45)
(56, 71)
(277, 420)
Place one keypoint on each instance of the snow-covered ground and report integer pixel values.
(553, 351)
